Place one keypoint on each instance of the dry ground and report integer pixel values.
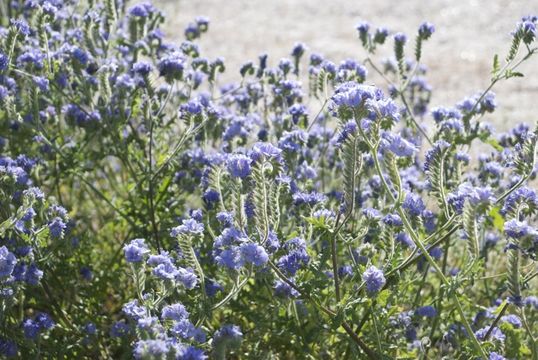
(459, 54)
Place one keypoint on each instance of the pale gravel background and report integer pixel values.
(459, 55)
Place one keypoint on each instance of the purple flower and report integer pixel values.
(142, 68)
(518, 229)
(154, 349)
(8, 348)
(266, 149)
(426, 311)
(399, 146)
(227, 335)
(362, 27)
(284, 290)
(392, 220)
(400, 38)
(413, 204)
(172, 66)
(57, 228)
(425, 30)
(312, 198)
(494, 356)
(175, 312)
(135, 250)
(7, 262)
(496, 334)
(404, 239)
(254, 254)
(482, 196)
(191, 353)
(187, 277)
(135, 311)
(21, 25)
(374, 279)
(4, 61)
(238, 165)
(512, 319)
(188, 226)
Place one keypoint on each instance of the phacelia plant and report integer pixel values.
(149, 210)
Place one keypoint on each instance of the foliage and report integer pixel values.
(148, 210)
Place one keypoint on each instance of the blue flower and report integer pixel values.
(398, 145)
(311, 198)
(134, 310)
(512, 319)
(425, 30)
(175, 312)
(238, 165)
(21, 25)
(155, 349)
(254, 254)
(284, 290)
(496, 334)
(142, 68)
(8, 348)
(192, 353)
(141, 10)
(31, 329)
(518, 229)
(266, 149)
(400, 38)
(374, 279)
(227, 335)
(7, 262)
(404, 239)
(172, 66)
(392, 220)
(90, 328)
(119, 329)
(188, 226)
(426, 311)
(362, 27)
(230, 258)
(4, 61)
(135, 250)
(57, 228)
(413, 204)
(481, 196)
(494, 356)
(187, 277)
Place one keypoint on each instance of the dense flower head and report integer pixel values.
(400, 38)
(496, 334)
(374, 279)
(135, 250)
(239, 165)
(172, 66)
(414, 204)
(254, 254)
(188, 226)
(426, 311)
(398, 145)
(425, 30)
(7, 262)
(519, 229)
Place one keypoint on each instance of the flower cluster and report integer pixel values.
(301, 210)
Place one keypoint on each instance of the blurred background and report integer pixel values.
(459, 55)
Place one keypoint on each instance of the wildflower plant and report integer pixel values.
(150, 210)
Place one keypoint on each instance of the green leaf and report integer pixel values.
(383, 297)
(498, 220)
(496, 65)
(494, 143)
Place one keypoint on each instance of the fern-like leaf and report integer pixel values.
(470, 228)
